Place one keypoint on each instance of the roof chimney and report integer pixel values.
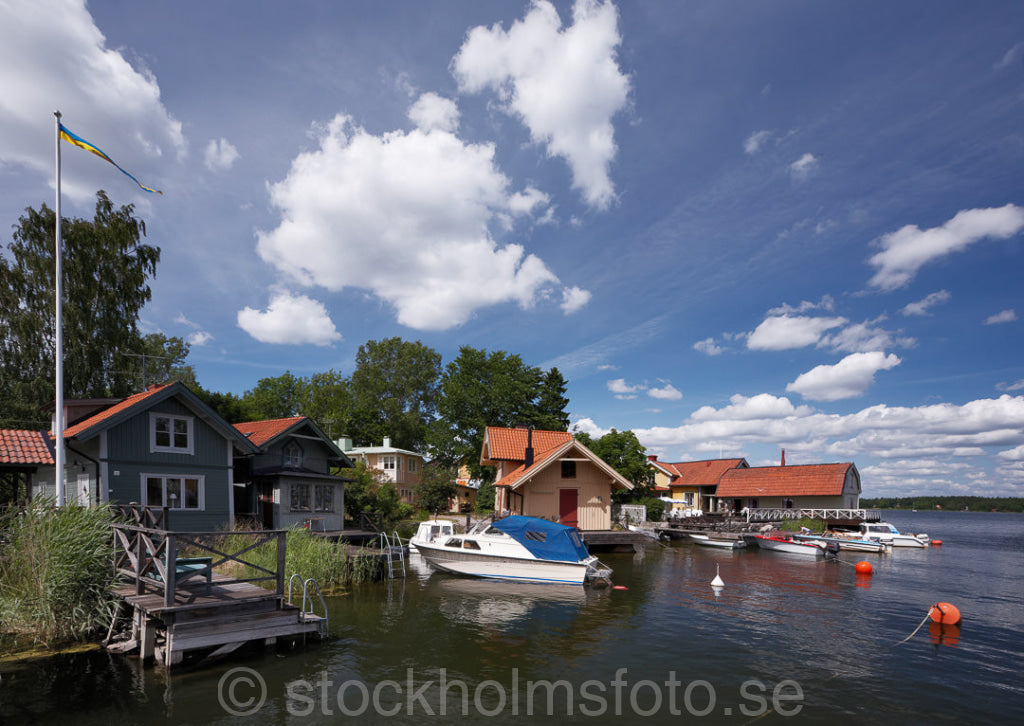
(783, 457)
(529, 447)
(652, 457)
(387, 442)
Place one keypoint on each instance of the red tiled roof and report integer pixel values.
(539, 462)
(784, 481)
(701, 473)
(510, 444)
(260, 432)
(113, 410)
(24, 447)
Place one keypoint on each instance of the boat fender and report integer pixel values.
(619, 587)
(944, 613)
(936, 543)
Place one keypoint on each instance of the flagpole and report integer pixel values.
(58, 419)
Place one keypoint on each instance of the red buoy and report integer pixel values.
(944, 613)
(619, 587)
(864, 568)
(936, 543)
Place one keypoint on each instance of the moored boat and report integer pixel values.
(784, 544)
(431, 531)
(706, 541)
(844, 542)
(517, 548)
(885, 532)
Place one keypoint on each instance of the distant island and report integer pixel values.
(954, 504)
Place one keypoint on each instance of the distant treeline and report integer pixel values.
(956, 504)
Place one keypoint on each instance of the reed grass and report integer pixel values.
(55, 573)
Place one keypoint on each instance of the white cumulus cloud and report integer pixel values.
(668, 392)
(431, 111)
(909, 248)
(803, 167)
(708, 346)
(785, 332)
(923, 307)
(848, 378)
(1004, 316)
(574, 299)
(220, 155)
(563, 83)
(407, 216)
(290, 319)
(52, 53)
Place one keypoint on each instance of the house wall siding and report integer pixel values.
(540, 495)
(129, 457)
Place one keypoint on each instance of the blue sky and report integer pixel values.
(734, 227)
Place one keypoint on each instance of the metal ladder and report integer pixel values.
(393, 551)
(308, 603)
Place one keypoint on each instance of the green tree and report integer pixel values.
(161, 359)
(279, 397)
(394, 392)
(106, 283)
(368, 493)
(436, 489)
(552, 402)
(228, 406)
(481, 389)
(328, 401)
(622, 451)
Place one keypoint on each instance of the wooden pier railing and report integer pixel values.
(149, 556)
(774, 514)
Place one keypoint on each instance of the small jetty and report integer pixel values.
(727, 525)
(180, 606)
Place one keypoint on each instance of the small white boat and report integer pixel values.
(517, 548)
(845, 542)
(705, 541)
(783, 544)
(431, 531)
(885, 532)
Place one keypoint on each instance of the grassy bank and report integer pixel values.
(332, 564)
(55, 572)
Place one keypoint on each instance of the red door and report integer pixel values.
(567, 500)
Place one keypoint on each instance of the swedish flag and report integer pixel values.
(83, 144)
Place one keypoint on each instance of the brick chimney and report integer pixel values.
(529, 447)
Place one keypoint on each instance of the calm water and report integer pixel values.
(785, 636)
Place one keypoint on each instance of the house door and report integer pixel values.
(567, 501)
(267, 507)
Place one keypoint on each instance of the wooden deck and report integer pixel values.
(181, 605)
(609, 541)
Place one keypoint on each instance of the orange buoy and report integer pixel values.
(864, 568)
(944, 634)
(619, 587)
(936, 543)
(944, 613)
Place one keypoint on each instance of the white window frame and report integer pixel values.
(411, 465)
(144, 490)
(172, 449)
(313, 496)
(389, 462)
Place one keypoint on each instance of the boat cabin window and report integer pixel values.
(453, 542)
(878, 528)
(470, 545)
(535, 536)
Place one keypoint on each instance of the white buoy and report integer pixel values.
(717, 582)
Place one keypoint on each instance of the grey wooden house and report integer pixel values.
(161, 447)
(288, 481)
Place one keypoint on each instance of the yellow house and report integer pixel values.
(548, 474)
(693, 483)
(402, 468)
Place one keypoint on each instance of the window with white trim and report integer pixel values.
(412, 464)
(390, 462)
(174, 491)
(170, 434)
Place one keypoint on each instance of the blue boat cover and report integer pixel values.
(545, 540)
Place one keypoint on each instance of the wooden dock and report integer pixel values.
(612, 541)
(191, 607)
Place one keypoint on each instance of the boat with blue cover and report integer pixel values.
(517, 548)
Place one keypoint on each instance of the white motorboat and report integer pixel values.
(885, 532)
(705, 541)
(517, 548)
(431, 531)
(784, 544)
(845, 542)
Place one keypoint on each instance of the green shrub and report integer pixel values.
(56, 570)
